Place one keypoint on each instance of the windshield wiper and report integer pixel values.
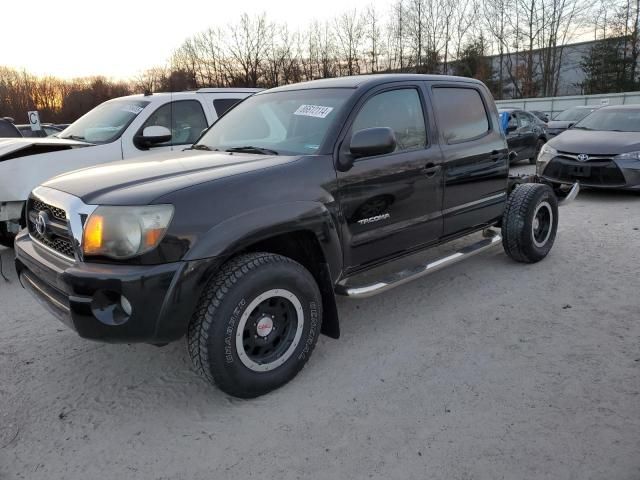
(581, 128)
(252, 149)
(73, 137)
(199, 146)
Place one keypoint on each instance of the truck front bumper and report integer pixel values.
(113, 302)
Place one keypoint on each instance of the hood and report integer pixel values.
(140, 181)
(560, 124)
(22, 147)
(596, 142)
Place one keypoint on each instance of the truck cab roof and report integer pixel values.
(360, 81)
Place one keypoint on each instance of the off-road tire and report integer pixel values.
(521, 241)
(539, 145)
(211, 336)
(6, 238)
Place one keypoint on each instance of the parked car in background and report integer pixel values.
(125, 127)
(526, 134)
(46, 131)
(541, 115)
(566, 119)
(8, 129)
(602, 150)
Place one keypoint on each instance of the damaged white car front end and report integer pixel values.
(20, 174)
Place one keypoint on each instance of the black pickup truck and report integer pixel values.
(242, 242)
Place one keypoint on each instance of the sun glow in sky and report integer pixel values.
(120, 38)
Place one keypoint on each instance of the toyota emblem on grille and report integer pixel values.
(583, 157)
(42, 222)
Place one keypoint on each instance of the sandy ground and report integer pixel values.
(487, 370)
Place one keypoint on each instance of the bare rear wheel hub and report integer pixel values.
(542, 224)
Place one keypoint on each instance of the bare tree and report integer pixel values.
(417, 18)
(349, 29)
(247, 46)
(397, 36)
(374, 38)
(495, 19)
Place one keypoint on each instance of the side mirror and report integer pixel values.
(512, 156)
(152, 136)
(372, 141)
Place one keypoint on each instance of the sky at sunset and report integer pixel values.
(120, 38)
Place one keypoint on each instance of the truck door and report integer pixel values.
(391, 203)
(184, 118)
(476, 161)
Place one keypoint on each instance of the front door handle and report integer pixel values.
(430, 169)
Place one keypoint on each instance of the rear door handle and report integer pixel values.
(495, 155)
(430, 169)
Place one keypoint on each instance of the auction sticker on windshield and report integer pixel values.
(317, 111)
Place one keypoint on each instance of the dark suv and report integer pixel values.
(297, 194)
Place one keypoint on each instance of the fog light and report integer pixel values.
(110, 307)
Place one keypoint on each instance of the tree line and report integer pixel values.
(517, 47)
(58, 100)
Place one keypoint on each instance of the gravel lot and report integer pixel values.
(487, 370)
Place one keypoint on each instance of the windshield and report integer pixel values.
(574, 114)
(104, 123)
(615, 120)
(286, 122)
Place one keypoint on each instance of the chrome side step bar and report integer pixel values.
(492, 238)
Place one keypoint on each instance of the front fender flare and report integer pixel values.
(239, 232)
(236, 233)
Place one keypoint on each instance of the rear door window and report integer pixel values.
(461, 113)
(221, 105)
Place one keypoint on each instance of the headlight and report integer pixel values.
(544, 157)
(125, 232)
(628, 156)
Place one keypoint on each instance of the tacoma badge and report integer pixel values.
(377, 218)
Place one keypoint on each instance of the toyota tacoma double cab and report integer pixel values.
(300, 193)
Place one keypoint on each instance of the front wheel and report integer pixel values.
(530, 222)
(256, 324)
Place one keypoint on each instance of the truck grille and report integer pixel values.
(56, 212)
(56, 236)
(597, 171)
